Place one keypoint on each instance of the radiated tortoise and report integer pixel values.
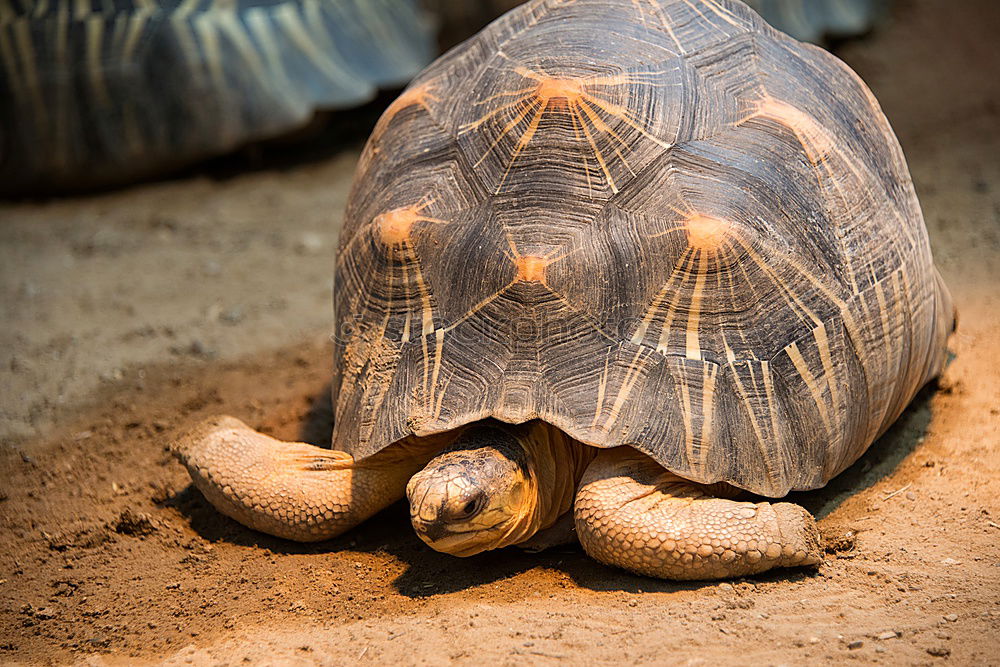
(613, 262)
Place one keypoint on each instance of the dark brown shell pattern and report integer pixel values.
(655, 223)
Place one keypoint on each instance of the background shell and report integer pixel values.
(693, 235)
(98, 93)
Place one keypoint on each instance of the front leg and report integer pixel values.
(292, 489)
(633, 514)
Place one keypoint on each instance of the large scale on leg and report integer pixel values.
(653, 254)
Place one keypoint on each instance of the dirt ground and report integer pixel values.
(130, 315)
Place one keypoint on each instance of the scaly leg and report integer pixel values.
(633, 514)
(292, 489)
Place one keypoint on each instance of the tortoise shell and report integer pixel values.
(93, 93)
(654, 223)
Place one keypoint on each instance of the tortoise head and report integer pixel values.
(479, 494)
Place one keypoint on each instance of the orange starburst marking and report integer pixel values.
(559, 91)
(531, 268)
(580, 99)
(393, 227)
(705, 232)
(814, 138)
(420, 95)
(818, 144)
(708, 237)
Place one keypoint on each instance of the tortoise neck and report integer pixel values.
(556, 464)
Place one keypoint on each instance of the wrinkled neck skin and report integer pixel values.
(555, 464)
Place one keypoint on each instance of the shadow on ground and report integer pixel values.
(429, 573)
(878, 462)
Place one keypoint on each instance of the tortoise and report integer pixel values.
(818, 20)
(95, 94)
(609, 266)
(808, 20)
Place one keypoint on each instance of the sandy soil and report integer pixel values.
(130, 315)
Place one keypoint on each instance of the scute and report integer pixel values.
(655, 240)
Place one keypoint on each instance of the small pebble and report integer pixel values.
(856, 644)
(951, 618)
(231, 316)
(939, 651)
(888, 634)
(44, 614)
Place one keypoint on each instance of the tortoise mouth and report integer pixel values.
(456, 543)
(437, 531)
(453, 540)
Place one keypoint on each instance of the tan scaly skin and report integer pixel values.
(633, 514)
(292, 489)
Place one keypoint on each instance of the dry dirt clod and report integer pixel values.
(839, 541)
(134, 525)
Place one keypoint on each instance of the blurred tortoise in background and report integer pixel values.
(818, 20)
(615, 261)
(100, 93)
(808, 20)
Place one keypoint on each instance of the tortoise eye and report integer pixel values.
(472, 507)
